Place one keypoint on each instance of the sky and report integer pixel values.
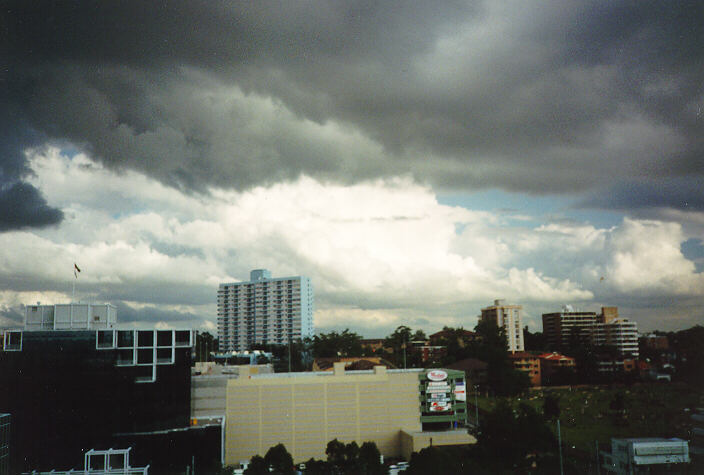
(415, 160)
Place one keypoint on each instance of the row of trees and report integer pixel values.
(342, 459)
(489, 345)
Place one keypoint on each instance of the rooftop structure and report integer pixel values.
(351, 362)
(461, 334)
(103, 462)
(264, 310)
(645, 455)
(508, 317)
(70, 316)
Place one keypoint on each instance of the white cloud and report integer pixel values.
(380, 253)
(646, 256)
(637, 257)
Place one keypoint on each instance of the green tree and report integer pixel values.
(370, 460)
(257, 466)
(504, 380)
(399, 339)
(534, 341)
(319, 467)
(431, 460)
(690, 354)
(491, 346)
(491, 335)
(456, 346)
(419, 335)
(551, 408)
(346, 343)
(281, 353)
(279, 460)
(587, 363)
(205, 344)
(335, 451)
(350, 459)
(351, 464)
(398, 342)
(528, 441)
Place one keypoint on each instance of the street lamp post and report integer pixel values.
(476, 407)
(559, 446)
(404, 355)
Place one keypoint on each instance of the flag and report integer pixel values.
(76, 270)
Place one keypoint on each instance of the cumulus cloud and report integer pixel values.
(380, 252)
(637, 257)
(374, 246)
(646, 256)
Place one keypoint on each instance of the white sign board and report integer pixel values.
(437, 375)
(460, 392)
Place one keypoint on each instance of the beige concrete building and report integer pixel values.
(304, 411)
(508, 317)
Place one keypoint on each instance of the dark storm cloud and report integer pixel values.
(22, 206)
(682, 193)
(558, 97)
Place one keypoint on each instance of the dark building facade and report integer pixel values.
(4, 444)
(71, 390)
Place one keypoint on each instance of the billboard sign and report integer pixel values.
(439, 406)
(437, 375)
(460, 392)
(438, 389)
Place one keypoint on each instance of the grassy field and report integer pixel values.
(651, 410)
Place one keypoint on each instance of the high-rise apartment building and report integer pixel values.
(562, 327)
(264, 310)
(508, 317)
(619, 333)
(605, 329)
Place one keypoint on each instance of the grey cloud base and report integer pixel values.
(560, 98)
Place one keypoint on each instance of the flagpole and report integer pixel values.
(76, 270)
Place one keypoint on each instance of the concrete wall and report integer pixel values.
(416, 441)
(304, 411)
(209, 390)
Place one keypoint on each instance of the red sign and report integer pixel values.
(440, 406)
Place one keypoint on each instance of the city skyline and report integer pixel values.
(416, 164)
